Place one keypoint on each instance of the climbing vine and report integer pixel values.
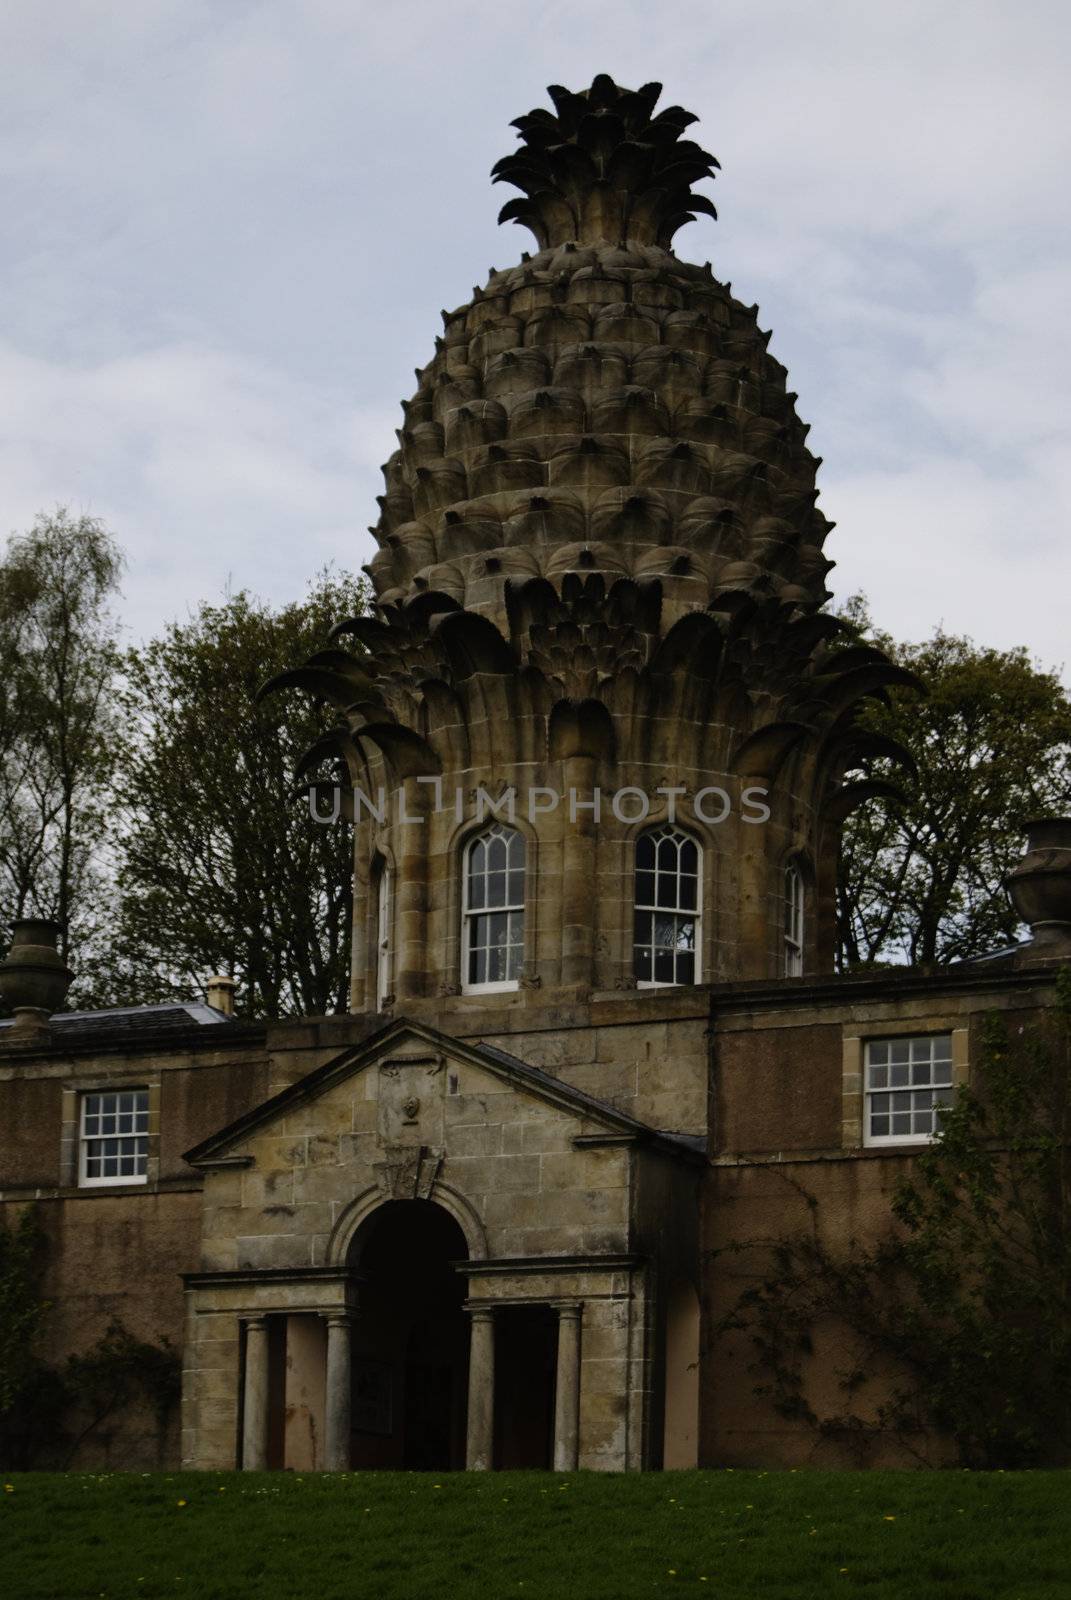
(47, 1412)
(956, 1324)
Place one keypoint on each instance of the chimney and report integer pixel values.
(34, 978)
(219, 992)
(1039, 886)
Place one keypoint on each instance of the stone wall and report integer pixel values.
(786, 1124)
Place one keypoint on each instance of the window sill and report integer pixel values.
(652, 983)
(901, 1142)
(113, 1183)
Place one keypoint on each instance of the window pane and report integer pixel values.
(645, 888)
(689, 857)
(496, 965)
(643, 963)
(667, 855)
(689, 893)
(686, 968)
(898, 1050)
(645, 853)
(496, 888)
(516, 887)
(899, 1074)
(666, 890)
(877, 1053)
(878, 1077)
(497, 853)
(477, 892)
(663, 966)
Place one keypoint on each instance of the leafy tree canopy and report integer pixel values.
(219, 866)
(922, 882)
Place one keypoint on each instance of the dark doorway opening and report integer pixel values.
(526, 1355)
(411, 1340)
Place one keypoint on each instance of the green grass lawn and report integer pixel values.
(407, 1536)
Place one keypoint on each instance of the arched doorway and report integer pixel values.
(410, 1340)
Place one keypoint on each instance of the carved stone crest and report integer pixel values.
(408, 1172)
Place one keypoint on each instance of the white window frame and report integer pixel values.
(86, 1136)
(877, 1081)
(793, 902)
(384, 943)
(682, 913)
(470, 914)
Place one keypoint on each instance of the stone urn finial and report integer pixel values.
(1039, 886)
(34, 977)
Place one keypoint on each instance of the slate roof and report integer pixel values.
(122, 1023)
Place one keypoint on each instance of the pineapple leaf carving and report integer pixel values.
(605, 169)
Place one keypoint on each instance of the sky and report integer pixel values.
(230, 228)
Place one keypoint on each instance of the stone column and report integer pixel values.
(567, 1390)
(481, 1390)
(579, 888)
(411, 891)
(255, 1398)
(337, 1396)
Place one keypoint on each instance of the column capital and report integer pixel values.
(338, 1319)
(258, 1320)
(481, 1313)
(570, 1309)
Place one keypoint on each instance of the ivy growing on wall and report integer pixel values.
(956, 1326)
(48, 1412)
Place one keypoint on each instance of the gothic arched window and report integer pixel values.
(384, 946)
(668, 900)
(793, 903)
(493, 910)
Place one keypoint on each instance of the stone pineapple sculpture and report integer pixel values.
(604, 406)
(599, 543)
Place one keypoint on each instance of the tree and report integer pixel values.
(219, 866)
(922, 882)
(58, 664)
(958, 1322)
(21, 1307)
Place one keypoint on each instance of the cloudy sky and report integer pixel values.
(230, 227)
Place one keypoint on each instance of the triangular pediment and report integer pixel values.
(406, 1046)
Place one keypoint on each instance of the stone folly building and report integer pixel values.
(595, 738)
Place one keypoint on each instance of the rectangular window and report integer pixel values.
(907, 1082)
(115, 1136)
